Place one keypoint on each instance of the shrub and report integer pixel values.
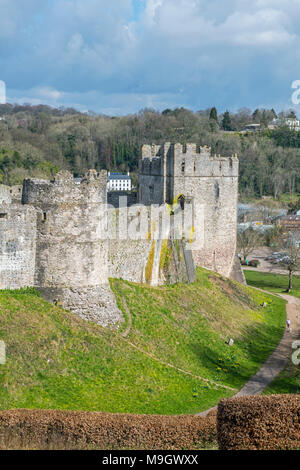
(259, 422)
(53, 429)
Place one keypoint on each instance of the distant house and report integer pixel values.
(252, 128)
(289, 223)
(292, 123)
(118, 182)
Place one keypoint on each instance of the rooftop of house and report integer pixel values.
(118, 176)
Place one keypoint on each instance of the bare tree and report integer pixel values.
(291, 261)
(279, 180)
(247, 241)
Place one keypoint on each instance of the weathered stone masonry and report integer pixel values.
(170, 172)
(52, 240)
(71, 262)
(17, 246)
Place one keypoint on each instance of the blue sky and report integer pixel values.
(119, 56)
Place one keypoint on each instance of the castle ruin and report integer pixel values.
(52, 240)
(169, 173)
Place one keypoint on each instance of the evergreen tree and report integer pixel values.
(226, 123)
(213, 114)
(256, 116)
(264, 118)
(274, 113)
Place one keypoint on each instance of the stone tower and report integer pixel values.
(71, 265)
(172, 172)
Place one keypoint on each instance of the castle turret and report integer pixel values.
(71, 256)
(174, 172)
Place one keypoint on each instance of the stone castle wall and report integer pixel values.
(142, 259)
(17, 246)
(53, 239)
(5, 195)
(128, 259)
(210, 182)
(152, 173)
(70, 251)
(113, 198)
(71, 255)
(10, 194)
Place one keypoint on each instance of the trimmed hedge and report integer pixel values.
(43, 429)
(259, 422)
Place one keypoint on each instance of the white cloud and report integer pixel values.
(262, 28)
(227, 51)
(14, 15)
(186, 21)
(48, 93)
(151, 8)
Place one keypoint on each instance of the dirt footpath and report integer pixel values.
(278, 359)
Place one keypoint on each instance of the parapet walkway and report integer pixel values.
(278, 359)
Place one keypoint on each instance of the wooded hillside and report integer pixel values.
(39, 140)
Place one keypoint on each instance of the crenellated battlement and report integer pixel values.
(160, 162)
(65, 189)
(158, 151)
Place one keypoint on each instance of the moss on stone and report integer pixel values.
(165, 256)
(178, 247)
(149, 265)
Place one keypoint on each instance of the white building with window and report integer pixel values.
(292, 123)
(118, 182)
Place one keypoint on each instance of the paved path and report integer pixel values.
(278, 359)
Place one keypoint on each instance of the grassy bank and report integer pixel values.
(272, 282)
(288, 381)
(175, 358)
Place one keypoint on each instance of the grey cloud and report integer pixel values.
(179, 52)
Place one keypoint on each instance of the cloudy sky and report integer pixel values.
(119, 56)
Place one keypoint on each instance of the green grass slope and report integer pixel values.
(173, 360)
(288, 381)
(272, 282)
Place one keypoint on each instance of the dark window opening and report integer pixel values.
(44, 216)
(181, 201)
(183, 166)
(3, 216)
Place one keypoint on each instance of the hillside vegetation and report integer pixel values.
(38, 141)
(170, 357)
